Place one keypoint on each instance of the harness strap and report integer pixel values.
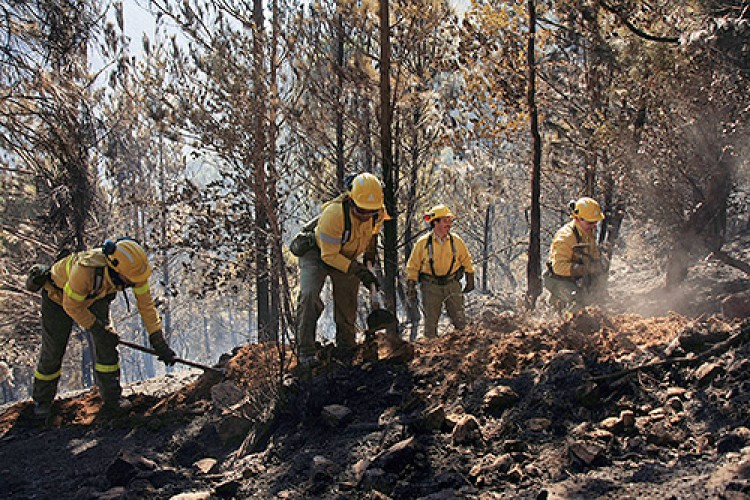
(430, 252)
(98, 280)
(549, 264)
(347, 222)
(346, 206)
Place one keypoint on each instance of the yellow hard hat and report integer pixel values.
(437, 212)
(587, 209)
(367, 192)
(128, 259)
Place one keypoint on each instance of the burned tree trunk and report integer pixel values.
(534, 266)
(705, 228)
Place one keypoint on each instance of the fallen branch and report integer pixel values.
(735, 340)
(730, 261)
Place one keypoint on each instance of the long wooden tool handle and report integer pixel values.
(187, 362)
(374, 294)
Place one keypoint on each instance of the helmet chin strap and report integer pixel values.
(118, 280)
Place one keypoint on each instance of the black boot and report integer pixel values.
(117, 406)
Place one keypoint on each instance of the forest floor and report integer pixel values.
(648, 396)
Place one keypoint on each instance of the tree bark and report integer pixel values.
(534, 266)
(705, 228)
(262, 271)
(390, 256)
(340, 160)
(489, 215)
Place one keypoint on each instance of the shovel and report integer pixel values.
(379, 318)
(187, 362)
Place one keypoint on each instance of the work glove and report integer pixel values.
(39, 274)
(593, 265)
(366, 277)
(166, 355)
(411, 293)
(101, 330)
(589, 267)
(469, 286)
(577, 270)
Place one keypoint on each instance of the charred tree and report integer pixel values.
(260, 229)
(704, 230)
(390, 256)
(534, 266)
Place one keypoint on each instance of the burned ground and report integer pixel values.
(510, 407)
(606, 403)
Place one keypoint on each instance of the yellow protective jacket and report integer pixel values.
(73, 288)
(442, 255)
(330, 230)
(562, 255)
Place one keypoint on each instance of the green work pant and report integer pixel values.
(564, 292)
(313, 273)
(56, 327)
(434, 296)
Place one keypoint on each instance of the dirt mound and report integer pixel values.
(614, 405)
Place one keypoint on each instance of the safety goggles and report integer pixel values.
(364, 213)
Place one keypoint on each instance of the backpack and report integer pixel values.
(304, 240)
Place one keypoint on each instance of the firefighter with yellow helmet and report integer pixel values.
(576, 267)
(80, 288)
(346, 229)
(438, 262)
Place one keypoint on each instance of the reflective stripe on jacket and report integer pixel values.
(330, 229)
(73, 284)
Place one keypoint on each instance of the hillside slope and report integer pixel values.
(512, 407)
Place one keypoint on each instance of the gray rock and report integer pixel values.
(233, 429)
(627, 417)
(736, 306)
(205, 465)
(227, 489)
(498, 399)
(125, 467)
(192, 495)
(396, 458)
(661, 434)
(491, 464)
(434, 418)
(323, 468)
(707, 372)
(585, 453)
(336, 415)
(467, 431)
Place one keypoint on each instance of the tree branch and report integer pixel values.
(727, 259)
(622, 16)
(735, 340)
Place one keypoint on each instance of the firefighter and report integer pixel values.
(576, 269)
(438, 262)
(346, 229)
(80, 288)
